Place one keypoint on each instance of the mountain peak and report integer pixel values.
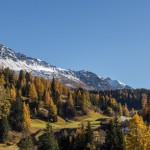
(84, 79)
(6, 52)
(117, 84)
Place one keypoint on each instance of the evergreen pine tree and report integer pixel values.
(114, 136)
(21, 83)
(85, 138)
(28, 77)
(48, 140)
(89, 133)
(88, 138)
(64, 140)
(26, 142)
(16, 114)
(80, 138)
(70, 111)
(4, 129)
(103, 103)
(54, 89)
(145, 107)
(4, 103)
(7, 92)
(4, 112)
(60, 105)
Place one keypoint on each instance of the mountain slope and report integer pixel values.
(74, 79)
(117, 84)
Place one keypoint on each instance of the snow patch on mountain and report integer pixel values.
(117, 84)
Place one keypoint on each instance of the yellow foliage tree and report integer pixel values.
(32, 93)
(145, 107)
(138, 137)
(13, 92)
(120, 109)
(2, 80)
(52, 108)
(70, 102)
(39, 87)
(47, 97)
(79, 98)
(4, 103)
(47, 84)
(85, 101)
(26, 114)
(125, 110)
(23, 83)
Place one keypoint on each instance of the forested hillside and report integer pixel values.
(25, 98)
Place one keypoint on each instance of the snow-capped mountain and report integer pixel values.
(74, 79)
(117, 84)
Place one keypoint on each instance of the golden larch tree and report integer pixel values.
(39, 87)
(138, 137)
(52, 108)
(32, 93)
(13, 93)
(26, 114)
(46, 97)
(70, 102)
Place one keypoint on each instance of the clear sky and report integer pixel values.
(108, 37)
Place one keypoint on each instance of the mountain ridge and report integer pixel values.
(74, 79)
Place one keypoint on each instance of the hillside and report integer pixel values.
(31, 106)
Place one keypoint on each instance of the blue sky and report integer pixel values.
(109, 38)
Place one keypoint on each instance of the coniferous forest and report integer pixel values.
(36, 113)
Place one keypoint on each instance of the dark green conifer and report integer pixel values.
(114, 136)
(4, 129)
(89, 133)
(16, 114)
(48, 140)
(64, 141)
(26, 143)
